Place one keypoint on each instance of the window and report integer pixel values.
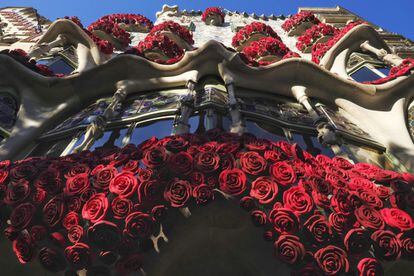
(51, 148)
(57, 64)
(265, 131)
(159, 129)
(110, 138)
(364, 68)
(366, 74)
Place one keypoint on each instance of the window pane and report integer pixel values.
(384, 70)
(61, 66)
(364, 74)
(110, 138)
(159, 129)
(271, 133)
(54, 148)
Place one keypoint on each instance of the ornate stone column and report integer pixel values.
(382, 54)
(237, 124)
(185, 110)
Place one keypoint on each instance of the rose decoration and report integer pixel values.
(297, 19)
(213, 16)
(241, 38)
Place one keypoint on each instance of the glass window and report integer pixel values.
(8, 110)
(110, 138)
(311, 144)
(384, 70)
(51, 148)
(159, 129)
(57, 64)
(364, 74)
(265, 131)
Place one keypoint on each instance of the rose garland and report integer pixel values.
(161, 43)
(212, 10)
(129, 19)
(404, 69)
(111, 28)
(97, 210)
(267, 46)
(320, 49)
(314, 33)
(297, 19)
(175, 28)
(247, 31)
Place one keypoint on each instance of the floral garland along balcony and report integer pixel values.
(320, 49)
(130, 22)
(213, 16)
(252, 32)
(322, 216)
(300, 22)
(405, 68)
(266, 51)
(179, 34)
(110, 31)
(316, 34)
(160, 49)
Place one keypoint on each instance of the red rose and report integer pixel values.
(154, 157)
(335, 180)
(318, 229)
(283, 173)
(207, 162)
(321, 200)
(121, 207)
(51, 259)
(71, 219)
(369, 218)
(386, 245)
(289, 249)
(78, 169)
(357, 241)
(397, 218)
(22, 216)
(74, 204)
(138, 225)
(38, 233)
(340, 222)
(203, 194)
(75, 233)
(78, 256)
(332, 260)
(196, 178)
(123, 184)
(145, 174)
(370, 198)
(149, 191)
(252, 163)
(103, 177)
(181, 163)
(247, 203)
(264, 189)
(369, 267)
(158, 212)
(273, 155)
(284, 220)
(3, 176)
(359, 182)
(39, 196)
(50, 181)
(104, 235)
(407, 244)
(95, 208)
(131, 166)
(23, 171)
(23, 248)
(177, 192)
(53, 211)
(174, 143)
(259, 217)
(228, 148)
(77, 184)
(232, 182)
(17, 192)
(340, 202)
(297, 200)
(382, 192)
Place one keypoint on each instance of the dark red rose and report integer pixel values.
(357, 241)
(228, 148)
(39, 196)
(264, 189)
(382, 192)
(57, 239)
(370, 267)
(407, 244)
(50, 181)
(121, 207)
(320, 185)
(159, 212)
(95, 208)
(23, 171)
(318, 229)
(108, 257)
(53, 211)
(342, 163)
(128, 264)
(340, 202)
(145, 174)
(256, 144)
(138, 225)
(11, 233)
(370, 198)
(181, 163)
(259, 217)
(336, 181)
(78, 256)
(203, 194)
(38, 233)
(284, 220)
(369, 218)
(22, 216)
(332, 260)
(321, 200)
(196, 178)
(17, 192)
(150, 190)
(23, 248)
(175, 143)
(297, 200)
(51, 259)
(397, 218)
(340, 222)
(3, 176)
(124, 184)
(207, 162)
(103, 176)
(78, 169)
(104, 234)
(74, 204)
(154, 157)
(289, 249)
(131, 166)
(386, 245)
(359, 182)
(70, 220)
(283, 173)
(247, 203)
(77, 184)
(232, 182)
(177, 192)
(227, 162)
(269, 236)
(75, 233)
(252, 163)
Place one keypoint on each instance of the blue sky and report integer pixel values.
(395, 16)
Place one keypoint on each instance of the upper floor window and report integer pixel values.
(364, 68)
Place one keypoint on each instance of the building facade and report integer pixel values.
(306, 121)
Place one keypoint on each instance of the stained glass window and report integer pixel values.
(411, 120)
(8, 111)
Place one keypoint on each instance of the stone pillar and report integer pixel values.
(382, 54)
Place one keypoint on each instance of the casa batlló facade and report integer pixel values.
(207, 142)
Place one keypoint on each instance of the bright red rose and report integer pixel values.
(22, 216)
(138, 225)
(103, 177)
(284, 220)
(370, 267)
(121, 207)
(104, 235)
(75, 233)
(3, 176)
(357, 241)
(232, 182)
(407, 244)
(297, 200)
(207, 162)
(369, 218)
(340, 202)
(332, 260)
(95, 208)
(397, 218)
(264, 189)
(259, 217)
(321, 200)
(318, 229)
(124, 184)
(283, 173)
(252, 163)
(71, 219)
(77, 184)
(289, 249)
(23, 248)
(78, 256)
(177, 192)
(181, 163)
(203, 194)
(386, 245)
(154, 157)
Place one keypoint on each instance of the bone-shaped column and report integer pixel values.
(237, 124)
(382, 54)
(43, 48)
